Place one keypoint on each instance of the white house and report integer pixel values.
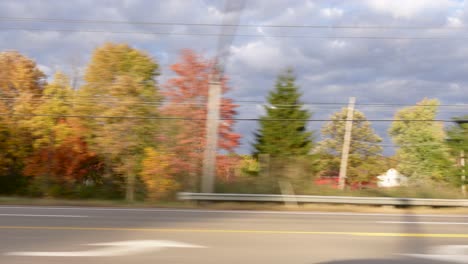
(392, 178)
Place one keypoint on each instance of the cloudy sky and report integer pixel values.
(381, 51)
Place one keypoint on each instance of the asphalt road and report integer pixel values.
(118, 235)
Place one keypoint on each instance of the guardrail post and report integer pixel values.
(289, 196)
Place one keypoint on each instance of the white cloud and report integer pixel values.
(258, 55)
(409, 8)
(260, 30)
(455, 87)
(46, 70)
(332, 12)
(213, 11)
(338, 44)
(454, 22)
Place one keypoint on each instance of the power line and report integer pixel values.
(80, 98)
(80, 101)
(368, 153)
(383, 105)
(393, 104)
(398, 145)
(235, 119)
(388, 158)
(91, 21)
(236, 35)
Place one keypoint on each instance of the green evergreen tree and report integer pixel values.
(283, 129)
(458, 143)
(458, 134)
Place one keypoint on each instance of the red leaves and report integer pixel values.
(187, 94)
(227, 166)
(68, 162)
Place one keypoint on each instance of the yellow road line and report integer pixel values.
(364, 234)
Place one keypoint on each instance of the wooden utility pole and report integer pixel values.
(214, 93)
(346, 143)
(463, 175)
(130, 188)
(212, 125)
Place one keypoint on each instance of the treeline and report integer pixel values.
(427, 152)
(113, 136)
(122, 134)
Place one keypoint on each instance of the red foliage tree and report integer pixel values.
(187, 96)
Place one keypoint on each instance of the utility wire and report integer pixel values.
(237, 104)
(92, 21)
(236, 35)
(398, 145)
(78, 98)
(235, 119)
(388, 158)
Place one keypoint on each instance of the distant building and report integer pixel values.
(392, 178)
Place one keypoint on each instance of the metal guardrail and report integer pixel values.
(232, 197)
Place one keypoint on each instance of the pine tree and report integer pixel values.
(458, 143)
(283, 131)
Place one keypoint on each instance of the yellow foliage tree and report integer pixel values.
(157, 174)
(120, 82)
(21, 85)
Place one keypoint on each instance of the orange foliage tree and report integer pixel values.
(60, 152)
(68, 162)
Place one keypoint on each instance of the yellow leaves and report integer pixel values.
(56, 101)
(24, 104)
(19, 74)
(249, 164)
(111, 60)
(157, 173)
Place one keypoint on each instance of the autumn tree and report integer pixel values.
(187, 95)
(21, 84)
(44, 126)
(19, 77)
(422, 151)
(56, 102)
(158, 174)
(365, 160)
(60, 153)
(70, 163)
(120, 86)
